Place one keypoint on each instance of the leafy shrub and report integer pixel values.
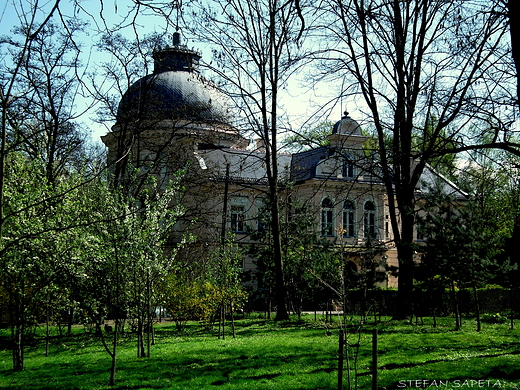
(495, 318)
(198, 300)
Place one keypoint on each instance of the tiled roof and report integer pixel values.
(244, 165)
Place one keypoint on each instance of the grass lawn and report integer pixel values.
(277, 356)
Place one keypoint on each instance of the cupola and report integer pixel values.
(346, 134)
(176, 58)
(346, 126)
(174, 91)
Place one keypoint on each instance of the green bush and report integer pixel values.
(495, 318)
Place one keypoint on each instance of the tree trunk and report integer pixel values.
(149, 339)
(219, 322)
(71, 320)
(17, 336)
(112, 381)
(3, 150)
(148, 315)
(281, 291)
(455, 307)
(477, 308)
(341, 356)
(405, 283)
(17, 330)
(270, 124)
(140, 340)
(47, 320)
(232, 310)
(223, 319)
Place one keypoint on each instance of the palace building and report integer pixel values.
(176, 120)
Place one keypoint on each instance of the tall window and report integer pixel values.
(348, 219)
(348, 168)
(327, 213)
(261, 214)
(420, 231)
(370, 220)
(238, 218)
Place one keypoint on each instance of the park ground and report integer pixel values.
(299, 354)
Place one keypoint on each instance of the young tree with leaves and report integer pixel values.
(39, 238)
(461, 245)
(125, 259)
(225, 273)
(307, 256)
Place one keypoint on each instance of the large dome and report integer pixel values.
(175, 91)
(174, 95)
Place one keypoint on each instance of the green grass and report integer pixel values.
(267, 355)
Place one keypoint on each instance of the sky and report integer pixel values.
(300, 103)
(13, 10)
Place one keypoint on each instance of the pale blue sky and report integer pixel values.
(299, 102)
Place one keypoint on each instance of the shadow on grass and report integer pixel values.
(393, 366)
(242, 328)
(504, 372)
(285, 355)
(254, 378)
(238, 368)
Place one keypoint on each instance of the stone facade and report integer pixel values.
(176, 120)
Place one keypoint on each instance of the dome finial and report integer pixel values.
(345, 114)
(176, 38)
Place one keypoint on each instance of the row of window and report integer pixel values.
(328, 226)
(349, 222)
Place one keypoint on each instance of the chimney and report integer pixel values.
(260, 145)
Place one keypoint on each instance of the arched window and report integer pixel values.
(349, 223)
(327, 213)
(370, 220)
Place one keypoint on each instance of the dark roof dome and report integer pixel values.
(174, 91)
(346, 126)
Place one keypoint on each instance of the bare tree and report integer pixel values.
(513, 8)
(129, 61)
(256, 48)
(29, 16)
(411, 62)
(43, 115)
